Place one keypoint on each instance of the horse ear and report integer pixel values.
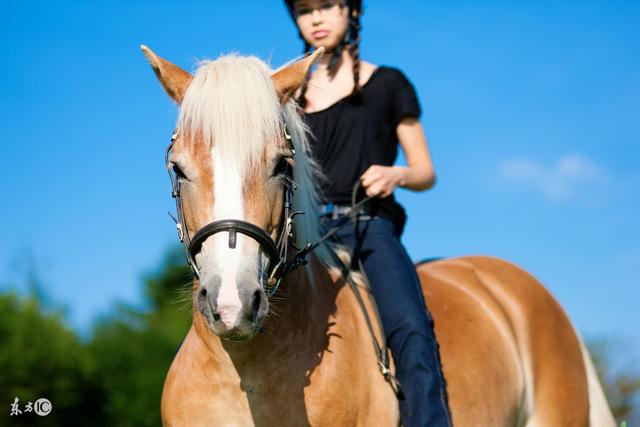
(174, 79)
(288, 79)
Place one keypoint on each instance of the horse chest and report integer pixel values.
(302, 391)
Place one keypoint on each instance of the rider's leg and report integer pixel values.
(406, 320)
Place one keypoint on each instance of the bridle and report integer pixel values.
(278, 252)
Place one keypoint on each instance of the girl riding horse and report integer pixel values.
(359, 114)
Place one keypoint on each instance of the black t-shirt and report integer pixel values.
(353, 134)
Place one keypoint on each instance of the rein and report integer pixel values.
(278, 252)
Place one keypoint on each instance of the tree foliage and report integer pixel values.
(41, 357)
(113, 379)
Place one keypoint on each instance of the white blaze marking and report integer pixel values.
(227, 205)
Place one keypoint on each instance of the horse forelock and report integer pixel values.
(230, 106)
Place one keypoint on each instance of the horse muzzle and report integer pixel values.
(233, 311)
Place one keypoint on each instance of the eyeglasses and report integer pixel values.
(325, 7)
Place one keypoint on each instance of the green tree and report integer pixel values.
(43, 358)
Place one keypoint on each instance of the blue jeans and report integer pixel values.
(406, 320)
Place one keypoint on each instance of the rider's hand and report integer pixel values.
(380, 181)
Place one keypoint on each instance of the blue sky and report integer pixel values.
(531, 109)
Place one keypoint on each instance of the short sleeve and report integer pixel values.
(404, 100)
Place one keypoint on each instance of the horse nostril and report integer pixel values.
(202, 294)
(256, 305)
(202, 299)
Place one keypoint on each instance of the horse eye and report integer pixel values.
(282, 166)
(178, 171)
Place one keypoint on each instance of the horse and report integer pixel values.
(298, 353)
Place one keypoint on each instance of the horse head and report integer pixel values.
(233, 164)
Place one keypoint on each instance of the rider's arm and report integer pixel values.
(419, 174)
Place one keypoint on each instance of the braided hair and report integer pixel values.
(351, 42)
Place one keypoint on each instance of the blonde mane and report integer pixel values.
(232, 101)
